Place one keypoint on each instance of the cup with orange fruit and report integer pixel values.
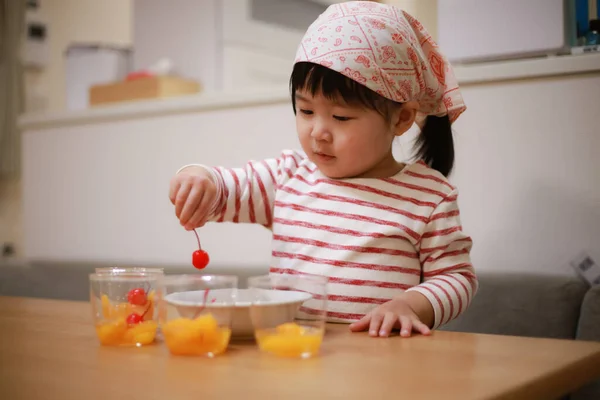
(124, 305)
(195, 313)
(295, 332)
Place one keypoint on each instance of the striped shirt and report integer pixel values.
(373, 238)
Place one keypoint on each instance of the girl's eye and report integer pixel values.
(339, 118)
(306, 112)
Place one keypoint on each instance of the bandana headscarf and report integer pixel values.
(388, 51)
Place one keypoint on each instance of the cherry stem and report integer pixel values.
(203, 305)
(147, 309)
(198, 238)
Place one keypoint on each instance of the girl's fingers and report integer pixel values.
(192, 204)
(181, 198)
(362, 324)
(376, 320)
(406, 326)
(201, 213)
(421, 327)
(389, 320)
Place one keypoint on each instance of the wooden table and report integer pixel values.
(48, 350)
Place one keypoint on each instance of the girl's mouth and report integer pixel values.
(323, 156)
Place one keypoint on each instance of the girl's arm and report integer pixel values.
(449, 280)
(247, 194)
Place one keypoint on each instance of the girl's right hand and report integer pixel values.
(193, 193)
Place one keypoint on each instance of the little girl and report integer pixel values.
(386, 234)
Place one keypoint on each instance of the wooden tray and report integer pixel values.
(142, 89)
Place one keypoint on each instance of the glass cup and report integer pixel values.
(288, 313)
(115, 269)
(195, 313)
(124, 307)
(108, 270)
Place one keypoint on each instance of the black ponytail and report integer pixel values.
(435, 145)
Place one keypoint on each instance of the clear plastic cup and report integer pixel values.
(288, 313)
(196, 312)
(124, 307)
(109, 270)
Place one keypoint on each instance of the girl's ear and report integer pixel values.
(404, 118)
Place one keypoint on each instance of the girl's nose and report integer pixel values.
(320, 131)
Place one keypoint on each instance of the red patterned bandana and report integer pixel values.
(388, 51)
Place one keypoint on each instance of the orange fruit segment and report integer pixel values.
(142, 333)
(114, 330)
(118, 333)
(106, 307)
(144, 338)
(197, 337)
(290, 328)
(111, 333)
(290, 340)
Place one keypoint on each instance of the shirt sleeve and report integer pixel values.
(247, 194)
(449, 281)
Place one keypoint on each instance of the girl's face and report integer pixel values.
(347, 141)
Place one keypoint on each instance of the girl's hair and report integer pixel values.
(434, 144)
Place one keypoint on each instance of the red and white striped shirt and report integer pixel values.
(373, 238)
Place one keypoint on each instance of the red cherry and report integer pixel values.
(134, 318)
(200, 259)
(137, 297)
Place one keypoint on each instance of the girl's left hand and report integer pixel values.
(395, 314)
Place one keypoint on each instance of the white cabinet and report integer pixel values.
(223, 44)
(482, 30)
(186, 31)
(245, 67)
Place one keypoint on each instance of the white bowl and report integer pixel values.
(277, 306)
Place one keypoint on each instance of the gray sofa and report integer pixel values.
(561, 307)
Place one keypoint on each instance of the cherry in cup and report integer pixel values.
(137, 297)
(133, 319)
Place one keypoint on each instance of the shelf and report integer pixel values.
(151, 108)
(527, 69)
(466, 74)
